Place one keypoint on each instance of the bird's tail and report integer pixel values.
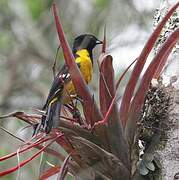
(52, 117)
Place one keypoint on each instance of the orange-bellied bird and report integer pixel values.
(62, 86)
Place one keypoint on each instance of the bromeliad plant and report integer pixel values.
(103, 142)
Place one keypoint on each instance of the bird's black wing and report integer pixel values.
(62, 77)
(57, 85)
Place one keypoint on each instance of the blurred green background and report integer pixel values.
(28, 43)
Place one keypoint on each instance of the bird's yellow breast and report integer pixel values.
(85, 65)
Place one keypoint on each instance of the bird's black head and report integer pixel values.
(85, 41)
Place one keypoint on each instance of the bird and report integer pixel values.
(62, 89)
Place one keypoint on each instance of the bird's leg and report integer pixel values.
(78, 98)
(73, 109)
(75, 113)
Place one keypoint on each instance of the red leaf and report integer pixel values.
(109, 109)
(137, 102)
(106, 86)
(23, 163)
(174, 39)
(30, 119)
(104, 41)
(124, 73)
(50, 172)
(66, 144)
(64, 168)
(47, 150)
(25, 149)
(126, 99)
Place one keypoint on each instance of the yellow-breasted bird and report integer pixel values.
(62, 86)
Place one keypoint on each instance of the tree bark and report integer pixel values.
(169, 156)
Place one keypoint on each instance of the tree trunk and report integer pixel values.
(169, 156)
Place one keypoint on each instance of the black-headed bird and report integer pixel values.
(62, 87)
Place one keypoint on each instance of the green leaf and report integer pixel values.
(142, 169)
(150, 165)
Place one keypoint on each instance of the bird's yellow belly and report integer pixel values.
(69, 89)
(86, 70)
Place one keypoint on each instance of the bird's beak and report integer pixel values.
(99, 42)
